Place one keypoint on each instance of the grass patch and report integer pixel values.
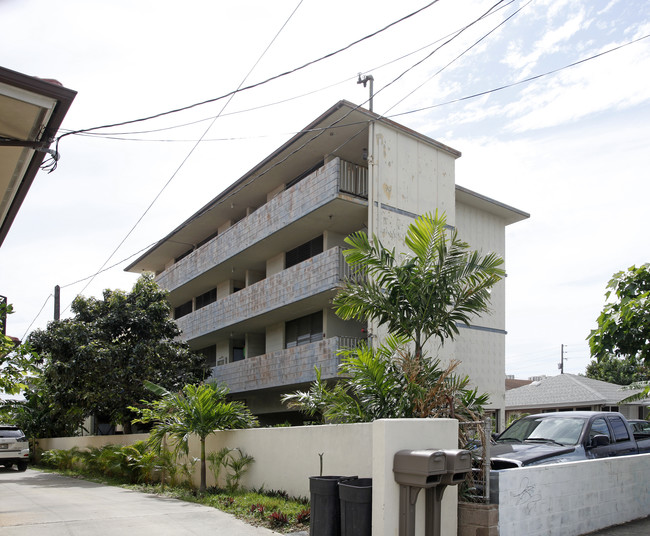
(265, 508)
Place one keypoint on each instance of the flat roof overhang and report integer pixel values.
(31, 112)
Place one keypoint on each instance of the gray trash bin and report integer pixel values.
(356, 506)
(325, 517)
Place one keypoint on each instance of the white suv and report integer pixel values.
(14, 447)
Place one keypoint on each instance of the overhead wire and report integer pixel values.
(258, 84)
(114, 135)
(523, 81)
(485, 36)
(323, 129)
(189, 154)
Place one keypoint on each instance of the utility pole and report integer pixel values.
(560, 365)
(57, 302)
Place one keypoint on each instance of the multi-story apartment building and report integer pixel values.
(252, 274)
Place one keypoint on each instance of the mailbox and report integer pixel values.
(432, 470)
(419, 468)
(459, 465)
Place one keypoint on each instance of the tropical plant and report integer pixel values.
(200, 410)
(61, 458)
(423, 294)
(389, 382)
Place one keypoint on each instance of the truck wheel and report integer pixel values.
(22, 466)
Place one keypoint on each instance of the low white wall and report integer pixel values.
(285, 458)
(572, 498)
(84, 442)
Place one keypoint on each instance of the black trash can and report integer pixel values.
(325, 517)
(356, 506)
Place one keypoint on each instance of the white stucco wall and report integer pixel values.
(573, 498)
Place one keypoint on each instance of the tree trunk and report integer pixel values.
(126, 426)
(202, 487)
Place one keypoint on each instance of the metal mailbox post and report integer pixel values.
(432, 470)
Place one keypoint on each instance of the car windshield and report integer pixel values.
(562, 430)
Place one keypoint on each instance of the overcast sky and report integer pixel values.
(570, 148)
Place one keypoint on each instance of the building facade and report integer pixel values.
(252, 274)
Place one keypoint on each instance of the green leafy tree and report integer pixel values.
(624, 323)
(389, 382)
(618, 370)
(425, 293)
(98, 360)
(17, 362)
(195, 410)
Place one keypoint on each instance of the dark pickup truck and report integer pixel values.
(565, 436)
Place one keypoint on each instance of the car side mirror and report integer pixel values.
(600, 440)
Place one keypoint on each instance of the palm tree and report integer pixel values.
(197, 409)
(424, 293)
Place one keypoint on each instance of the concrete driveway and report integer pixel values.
(36, 503)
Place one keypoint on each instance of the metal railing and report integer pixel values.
(475, 437)
(347, 272)
(353, 179)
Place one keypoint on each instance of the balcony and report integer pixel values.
(289, 367)
(336, 181)
(254, 305)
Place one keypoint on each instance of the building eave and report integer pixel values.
(26, 135)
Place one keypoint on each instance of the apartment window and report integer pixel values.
(304, 251)
(210, 354)
(304, 330)
(206, 298)
(183, 310)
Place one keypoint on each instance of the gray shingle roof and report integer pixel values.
(566, 390)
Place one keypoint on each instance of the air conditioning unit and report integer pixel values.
(222, 360)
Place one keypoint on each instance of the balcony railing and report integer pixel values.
(316, 190)
(354, 179)
(288, 367)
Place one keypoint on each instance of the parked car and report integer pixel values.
(565, 436)
(14, 447)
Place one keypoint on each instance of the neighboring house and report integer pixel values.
(568, 392)
(31, 112)
(513, 383)
(252, 274)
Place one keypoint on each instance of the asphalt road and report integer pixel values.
(34, 503)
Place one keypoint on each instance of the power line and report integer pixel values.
(240, 89)
(524, 81)
(36, 317)
(189, 153)
(323, 129)
(462, 53)
(115, 135)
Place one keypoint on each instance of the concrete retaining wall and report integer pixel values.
(572, 498)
